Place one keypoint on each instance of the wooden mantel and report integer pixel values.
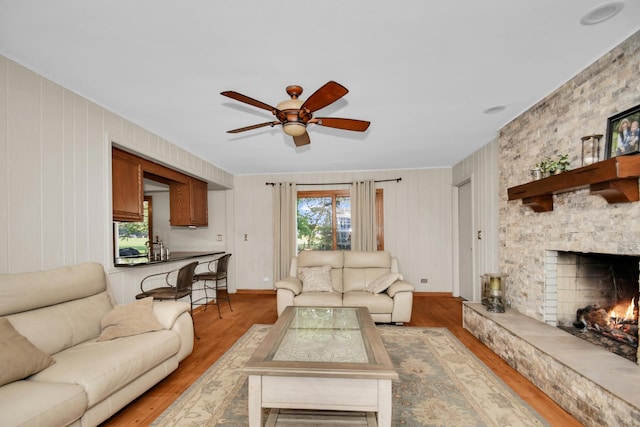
(615, 179)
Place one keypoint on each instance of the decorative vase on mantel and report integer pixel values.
(536, 174)
(590, 149)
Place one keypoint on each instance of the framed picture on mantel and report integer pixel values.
(623, 133)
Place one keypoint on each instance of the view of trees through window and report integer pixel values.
(324, 220)
(133, 236)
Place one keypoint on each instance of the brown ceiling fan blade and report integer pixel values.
(347, 124)
(327, 94)
(301, 140)
(260, 125)
(243, 98)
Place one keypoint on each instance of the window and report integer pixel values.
(324, 220)
(133, 236)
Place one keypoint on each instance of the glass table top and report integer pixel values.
(323, 335)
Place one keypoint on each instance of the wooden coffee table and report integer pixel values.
(319, 358)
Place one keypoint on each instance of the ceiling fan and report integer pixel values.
(294, 115)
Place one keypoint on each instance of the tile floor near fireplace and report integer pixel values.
(597, 387)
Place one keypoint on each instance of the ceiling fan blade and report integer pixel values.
(347, 124)
(261, 125)
(243, 98)
(301, 140)
(327, 94)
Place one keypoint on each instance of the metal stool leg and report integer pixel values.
(217, 298)
(226, 289)
(206, 295)
(218, 304)
(193, 321)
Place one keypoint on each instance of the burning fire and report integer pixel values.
(623, 312)
(619, 323)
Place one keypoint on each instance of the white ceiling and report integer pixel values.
(421, 71)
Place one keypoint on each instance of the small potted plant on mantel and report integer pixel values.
(552, 167)
(548, 166)
(563, 162)
(542, 168)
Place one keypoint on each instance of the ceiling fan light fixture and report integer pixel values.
(289, 104)
(294, 114)
(294, 128)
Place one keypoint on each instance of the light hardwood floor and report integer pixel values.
(218, 335)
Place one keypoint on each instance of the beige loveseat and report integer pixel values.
(351, 273)
(59, 312)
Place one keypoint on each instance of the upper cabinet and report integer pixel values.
(127, 187)
(188, 203)
(187, 195)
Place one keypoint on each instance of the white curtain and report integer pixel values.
(284, 228)
(363, 216)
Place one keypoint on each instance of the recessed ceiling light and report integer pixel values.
(602, 13)
(493, 110)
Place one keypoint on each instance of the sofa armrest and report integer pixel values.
(168, 311)
(400, 286)
(176, 316)
(291, 283)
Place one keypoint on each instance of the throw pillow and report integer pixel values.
(316, 279)
(129, 319)
(19, 358)
(383, 282)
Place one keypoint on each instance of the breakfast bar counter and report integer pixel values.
(175, 256)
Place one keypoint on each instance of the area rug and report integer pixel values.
(441, 384)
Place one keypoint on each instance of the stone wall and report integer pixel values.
(579, 222)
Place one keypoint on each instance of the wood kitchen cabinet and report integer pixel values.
(189, 203)
(127, 187)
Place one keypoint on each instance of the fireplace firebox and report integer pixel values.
(595, 297)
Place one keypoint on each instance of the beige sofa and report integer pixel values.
(59, 312)
(351, 273)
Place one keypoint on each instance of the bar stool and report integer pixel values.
(179, 284)
(217, 273)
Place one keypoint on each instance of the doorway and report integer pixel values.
(465, 241)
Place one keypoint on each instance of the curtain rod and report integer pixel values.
(342, 183)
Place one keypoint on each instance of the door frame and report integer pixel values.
(456, 235)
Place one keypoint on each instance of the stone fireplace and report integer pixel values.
(595, 297)
(581, 380)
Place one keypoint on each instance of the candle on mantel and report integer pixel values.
(494, 284)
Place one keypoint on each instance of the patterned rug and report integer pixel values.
(441, 384)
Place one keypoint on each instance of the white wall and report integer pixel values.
(55, 195)
(417, 223)
(55, 178)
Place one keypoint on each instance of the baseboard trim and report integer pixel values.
(433, 294)
(273, 292)
(256, 291)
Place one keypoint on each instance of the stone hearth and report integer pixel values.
(597, 387)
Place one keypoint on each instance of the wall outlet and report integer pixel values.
(219, 237)
(266, 280)
(424, 280)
